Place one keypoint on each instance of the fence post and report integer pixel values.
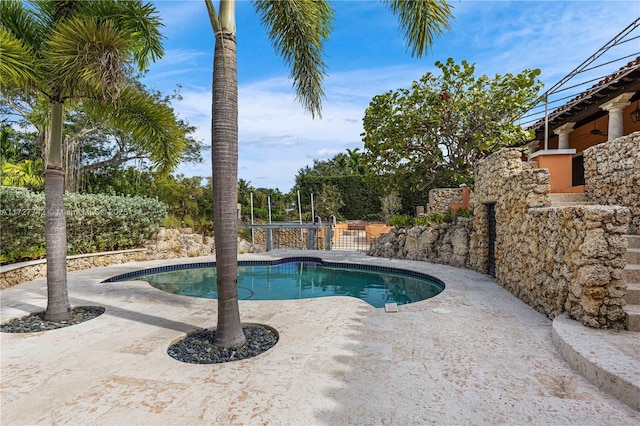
(311, 238)
(328, 236)
(269, 239)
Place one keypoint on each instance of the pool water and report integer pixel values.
(300, 280)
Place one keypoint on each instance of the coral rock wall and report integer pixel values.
(164, 244)
(612, 175)
(447, 243)
(554, 258)
(441, 198)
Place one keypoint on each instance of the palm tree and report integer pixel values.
(71, 51)
(298, 30)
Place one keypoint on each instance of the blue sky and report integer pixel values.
(366, 56)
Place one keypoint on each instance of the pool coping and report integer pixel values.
(472, 354)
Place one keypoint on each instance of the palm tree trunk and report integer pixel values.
(58, 307)
(224, 153)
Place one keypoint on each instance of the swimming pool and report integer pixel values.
(296, 278)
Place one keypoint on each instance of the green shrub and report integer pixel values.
(94, 223)
(172, 222)
(464, 213)
(422, 221)
(401, 220)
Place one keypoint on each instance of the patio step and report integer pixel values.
(633, 294)
(632, 317)
(633, 240)
(632, 277)
(632, 256)
(632, 273)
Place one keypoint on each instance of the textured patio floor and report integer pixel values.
(473, 355)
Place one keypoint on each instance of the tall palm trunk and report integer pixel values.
(58, 308)
(229, 332)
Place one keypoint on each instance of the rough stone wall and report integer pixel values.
(447, 243)
(555, 259)
(164, 244)
(612, 175)
(282, 237)
(440, 199)
(488, 183)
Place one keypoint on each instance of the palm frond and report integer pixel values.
(421, 21)
(17, 65)
(24, 23)
(298, 30)
(86, 56)
(150, 123)
(140, 21)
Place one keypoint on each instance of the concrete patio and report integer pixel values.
(474, 354)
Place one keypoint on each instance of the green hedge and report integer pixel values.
(361, 200)
(94, 223)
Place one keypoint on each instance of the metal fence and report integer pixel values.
(309, 236)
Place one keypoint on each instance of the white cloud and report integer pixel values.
(277, 137)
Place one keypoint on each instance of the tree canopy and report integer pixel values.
(432, 133)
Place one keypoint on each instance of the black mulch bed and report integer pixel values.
(199, 347)
(35, 323)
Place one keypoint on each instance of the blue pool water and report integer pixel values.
(297, 278)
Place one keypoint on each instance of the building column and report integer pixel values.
(615, 107)
(563, 134)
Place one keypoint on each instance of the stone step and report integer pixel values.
(568, 198)
(632, 297)
(632, 256)
(632, 273)
(632, 317)
(634, 241)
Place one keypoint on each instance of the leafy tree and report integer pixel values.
(119, 181)
(72, 51)
(244, 192)
(328, 202)
(298, 30)
(93, 140)
(355, 164)
(433, 133)
(349, 174)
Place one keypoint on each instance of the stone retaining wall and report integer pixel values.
(447, 243)
(555, 259)
(281, 237)
(164, 244)
(612, 175)
(440, 199)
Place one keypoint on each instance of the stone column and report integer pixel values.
(615, 107)
(563, 134)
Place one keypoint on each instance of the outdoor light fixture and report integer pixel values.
(635, 114)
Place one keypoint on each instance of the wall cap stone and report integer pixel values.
(14, 266)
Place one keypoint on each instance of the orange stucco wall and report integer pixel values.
(559, 166)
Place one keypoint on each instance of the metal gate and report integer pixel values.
(491, 219)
